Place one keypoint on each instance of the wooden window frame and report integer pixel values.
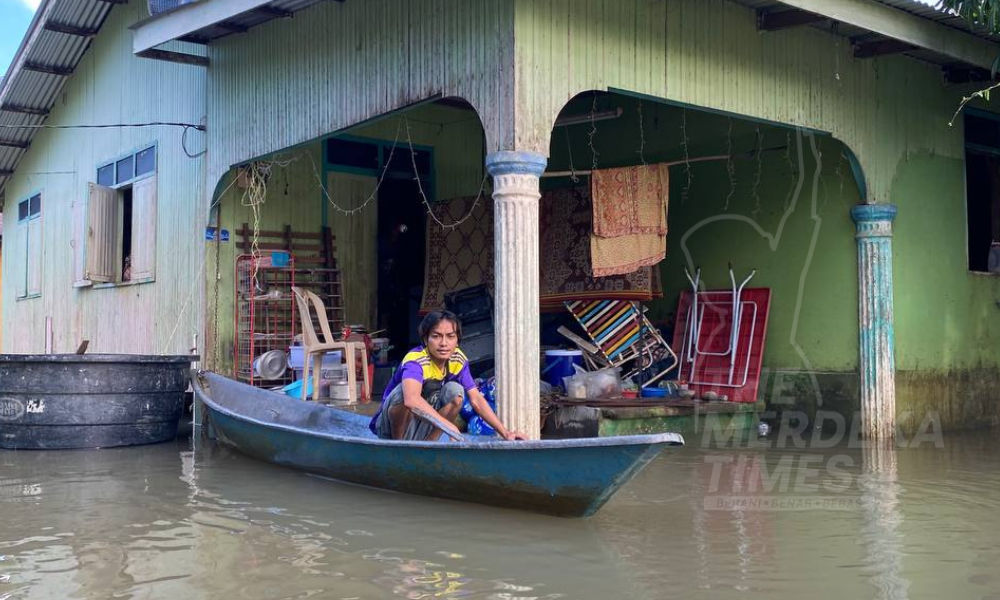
(137, 180)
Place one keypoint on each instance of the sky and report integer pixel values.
(15, 16)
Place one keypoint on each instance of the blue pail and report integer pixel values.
(559, 364)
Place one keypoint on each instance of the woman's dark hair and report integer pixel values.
(431, 321)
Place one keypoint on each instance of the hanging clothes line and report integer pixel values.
(675, 163)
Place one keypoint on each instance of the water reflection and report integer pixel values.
(882, 538)
(177, 521)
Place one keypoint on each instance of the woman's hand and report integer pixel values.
(482, 408)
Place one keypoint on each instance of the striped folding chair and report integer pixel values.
(620, 334)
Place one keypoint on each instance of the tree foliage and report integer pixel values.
(985, 13)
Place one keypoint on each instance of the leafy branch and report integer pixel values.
(984, 94)
(985, 13)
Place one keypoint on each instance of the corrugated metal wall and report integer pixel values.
(338, 64)
(112, 86)
(708, 53)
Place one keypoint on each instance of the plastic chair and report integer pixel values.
(313, 348)
(619, 334)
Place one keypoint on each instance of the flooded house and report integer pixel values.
(167, 169)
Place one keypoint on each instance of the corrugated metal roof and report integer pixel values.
(26, 94)
(928, 11)
(27, 90)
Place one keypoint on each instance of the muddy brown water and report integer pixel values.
(191, 519)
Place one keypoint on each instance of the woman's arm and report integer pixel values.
(413, 400)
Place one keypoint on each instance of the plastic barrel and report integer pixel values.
(559, 364)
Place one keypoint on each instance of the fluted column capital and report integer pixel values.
(874, 220)
(507, 162)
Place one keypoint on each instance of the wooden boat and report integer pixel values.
(58, 401)
(562, 477)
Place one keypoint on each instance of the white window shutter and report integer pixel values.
(79, 243)
(34, 279)
(144, 229)
(22, 278)
(101, 240)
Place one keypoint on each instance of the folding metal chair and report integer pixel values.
(619, 334)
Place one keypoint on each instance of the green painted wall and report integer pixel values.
(767, 218)
(708, 53)
(893, 113)
(294, 196)
(946, 317)
(111, 85)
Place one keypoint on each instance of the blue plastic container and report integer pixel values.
(559, 364)
(477, 426)
(654, 392)
(488, 388)
(279, 258)
(294, 389)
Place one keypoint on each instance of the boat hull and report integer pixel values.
(560, 477)
(50, 402)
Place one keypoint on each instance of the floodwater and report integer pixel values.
(191, 519)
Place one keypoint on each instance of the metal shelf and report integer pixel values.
(265, 322)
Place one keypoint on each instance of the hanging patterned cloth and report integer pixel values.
(629, 218)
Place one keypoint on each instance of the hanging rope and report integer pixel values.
(642, 137)
(569, 149)
(257, 174)
(687, 157)
(593, 132)
(791, 168)
(371, 197)
(760, 171)
(730, 166)
(253, 197)
(423, 196)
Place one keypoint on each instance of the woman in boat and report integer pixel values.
(433, 378)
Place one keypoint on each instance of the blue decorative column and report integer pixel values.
(877, 364)
(515, 235)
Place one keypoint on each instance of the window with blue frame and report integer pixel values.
(372, 157)
(120, 218)
(982, 190)
(128, 168)
(29, 228)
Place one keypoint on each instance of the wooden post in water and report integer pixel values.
(877, 340)
(516, 196)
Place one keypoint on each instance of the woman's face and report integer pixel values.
(442, 340)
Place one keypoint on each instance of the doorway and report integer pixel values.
(401, 235)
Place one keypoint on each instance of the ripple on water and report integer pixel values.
(169, 521)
